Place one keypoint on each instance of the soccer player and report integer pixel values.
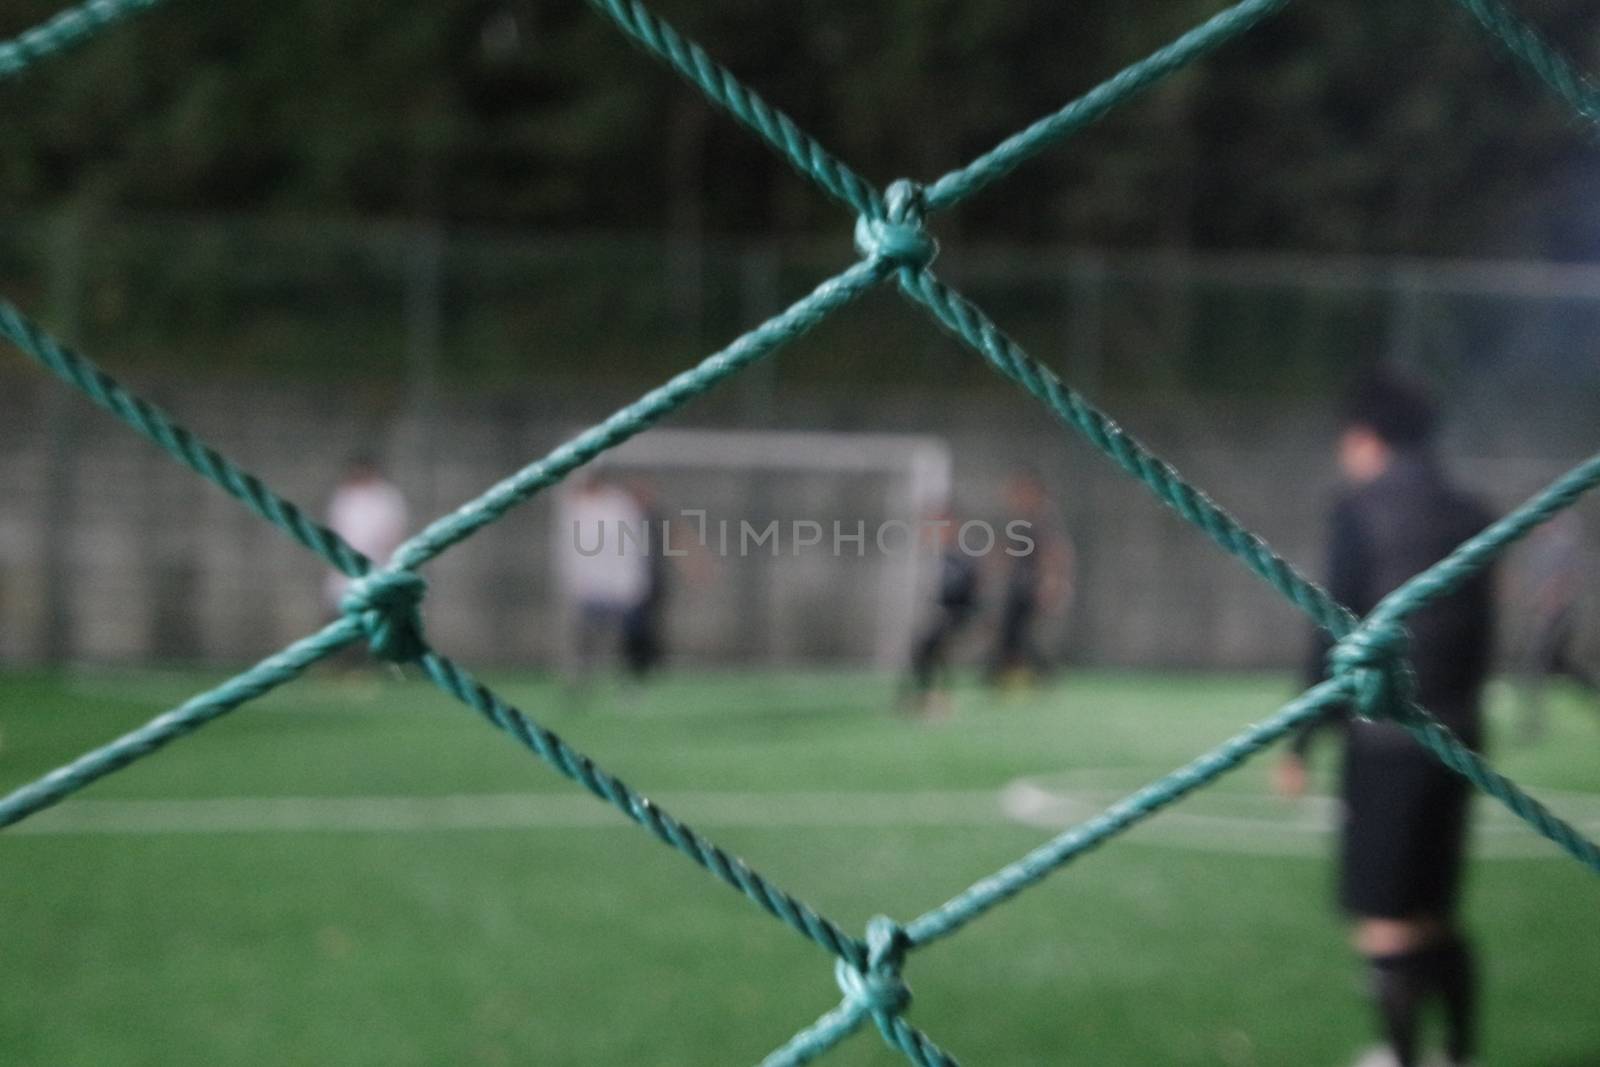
(369, 513)
(1405, 813)
(955, 600)
(605, 566)
(1036, 579)
(643, 645)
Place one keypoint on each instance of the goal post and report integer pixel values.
(787, 548)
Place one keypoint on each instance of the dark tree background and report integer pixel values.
(1340, 125)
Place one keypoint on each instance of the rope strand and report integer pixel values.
(383, 606)
(63, 31)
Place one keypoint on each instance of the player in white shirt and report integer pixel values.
(605, 564)
(369, 513)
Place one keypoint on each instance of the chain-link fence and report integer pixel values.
(491, 348)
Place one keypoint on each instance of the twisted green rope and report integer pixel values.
(1473, 555)
(1445, 577)
(66, 29)
(643, 413)
(180, 721)
(1368, 661)
(875, 991)
(914, 1044)
(1009, 881)
(1204, 39)
(391, 641)
(459, 683)
(1547, 63)
(155, 425)
(832, 1027)
(966, 321)
(1444, 744)
(658, 37)
(390, 620)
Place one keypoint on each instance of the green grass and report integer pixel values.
(586, 942)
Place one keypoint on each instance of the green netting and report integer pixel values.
(1367, 668)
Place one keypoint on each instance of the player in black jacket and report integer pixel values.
(955, 601)
(1405, 813)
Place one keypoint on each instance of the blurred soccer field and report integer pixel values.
(358, 871)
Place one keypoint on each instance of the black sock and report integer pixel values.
(1399, 984)
(1455, 975)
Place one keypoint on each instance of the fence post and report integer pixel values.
(759, 297)
(64, 281)
(1086, 274)
(759, 266)
(424, 318)
(1405, 316)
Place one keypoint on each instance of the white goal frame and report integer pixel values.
(920, 467)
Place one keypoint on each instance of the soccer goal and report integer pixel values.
(777, 548)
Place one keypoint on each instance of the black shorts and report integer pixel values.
(1404, 832)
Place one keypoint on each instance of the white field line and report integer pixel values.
(1265, 825)
(1259, 826)
(493, 811)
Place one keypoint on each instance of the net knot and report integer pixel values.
(879, 988)
(898, 235)
(1373, 658)
(385, 604)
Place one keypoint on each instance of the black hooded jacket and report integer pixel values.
(1382, 534)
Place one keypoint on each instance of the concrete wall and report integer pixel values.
(110, 552)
